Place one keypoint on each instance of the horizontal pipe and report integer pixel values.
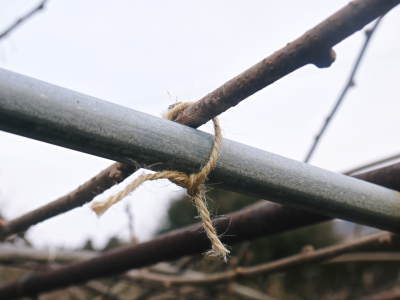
(45, 112)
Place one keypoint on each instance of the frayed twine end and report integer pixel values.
(222, 254)
(99, 207)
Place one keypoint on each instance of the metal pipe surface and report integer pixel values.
(45, 112)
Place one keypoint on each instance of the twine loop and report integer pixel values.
(194, 184)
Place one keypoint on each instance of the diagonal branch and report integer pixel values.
(313, 256)
(349, 84)
(112, 175)
(11, 254)
(23, 19)
(373, 164)
(260, 219)
(313, 47)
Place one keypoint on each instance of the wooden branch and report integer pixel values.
(101, 289)
(247, 292)
(112, 175)
(388, 160)
(366, 257)
(313, 256)
(260, 219)
(23, 19)
(313, 47)
(350, 83)
(10, 254)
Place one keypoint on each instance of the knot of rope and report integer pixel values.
(194, 184)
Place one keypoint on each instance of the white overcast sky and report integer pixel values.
(146, 54)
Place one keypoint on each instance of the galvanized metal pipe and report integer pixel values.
(45, 112)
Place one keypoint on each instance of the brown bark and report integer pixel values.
(314, 47)
(260, 219)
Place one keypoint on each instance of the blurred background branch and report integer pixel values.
(21, 20)
(350, 83)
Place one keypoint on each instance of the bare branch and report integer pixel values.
(260, 219)
(10, 254)
(101, 289)
(83, 194)
(279, 265)
(349, 84)
(131, 227)
(313, 47)
(373, 165)
(23, 19)
(366, 257)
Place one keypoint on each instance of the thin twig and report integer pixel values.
(101, 289)
(13, 254)
(366, 257)
(312, 47)
(248, 293)
(266, 268)
(131, 227)
(260, 219)
(349, 84)
(83, 194)
(23, 19)
(373, 165)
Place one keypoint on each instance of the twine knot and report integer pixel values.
(194, 184)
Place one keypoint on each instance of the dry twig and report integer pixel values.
(257, 220)
(349, 84)
(23, 19)
(279, 265)
(83, 194)
(312, 47)
(374, 164)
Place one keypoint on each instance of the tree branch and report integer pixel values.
(312, 47)
(366, 257)
(279, 265)
(349, 84)
(23, 19)
(260, 219)
(374, 164)
(247, 292)
(10, 254)
(112, 175)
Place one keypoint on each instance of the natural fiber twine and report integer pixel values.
(194, 184)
